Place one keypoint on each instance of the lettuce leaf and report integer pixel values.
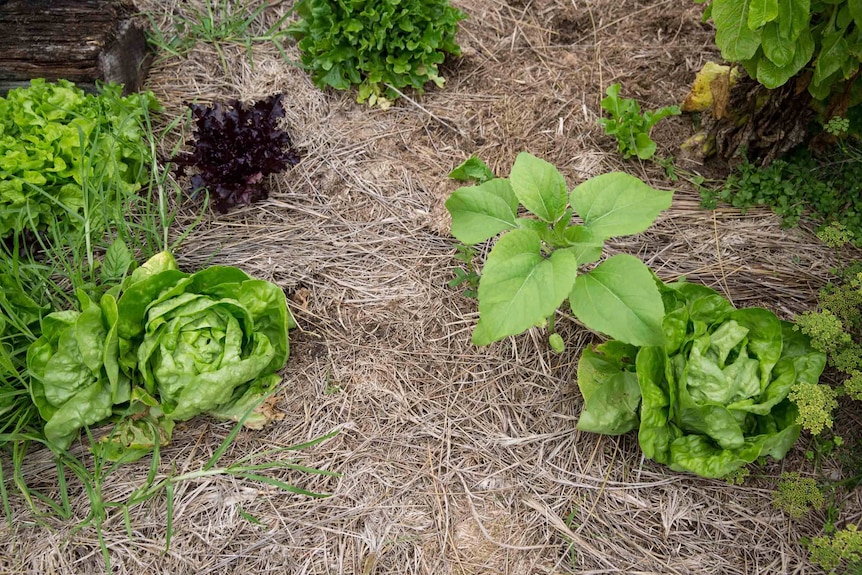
(714, 397)
(172, 345)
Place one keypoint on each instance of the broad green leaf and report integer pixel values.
(90, 405)
(118, 259)
(472, 169)
(734, 38)
(764, 338)
(519, 287)
(481, 212)
(793, 17)
(657, 405)
(833, 53)
(654, 117)
(539, 186)
(773, 76)
(618, 204)
(760, 12)
(645, 146)
(855, 7)
(697, 454)
(611, 393)
(613, 103)
(620, 298)
(778, 49)
(160, 262)
(585, 246)
(91, 334)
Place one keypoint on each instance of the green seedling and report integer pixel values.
(629, 126)
(535, 264)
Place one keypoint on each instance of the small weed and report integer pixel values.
(467, 275)
(837, 126)
(629, 126)
(824, 189)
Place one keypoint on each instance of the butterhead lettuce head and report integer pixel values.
(714, 397)
(163, 347)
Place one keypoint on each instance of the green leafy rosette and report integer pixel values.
(714, 397)
(173, 345)
(203, 340)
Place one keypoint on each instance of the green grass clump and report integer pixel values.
(218, 23)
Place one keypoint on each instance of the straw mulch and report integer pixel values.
(453, 459)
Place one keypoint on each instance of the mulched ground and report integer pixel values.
(453, 459)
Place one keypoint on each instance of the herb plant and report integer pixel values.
(775, 40)
(382, 46)
(629, 126)
(714, 397)
(534, 265)
(235, 148)
(840, 552)
(797, 495)
(836, 330)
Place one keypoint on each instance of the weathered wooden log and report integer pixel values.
(84, 41)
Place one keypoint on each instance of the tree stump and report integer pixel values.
(83, 41)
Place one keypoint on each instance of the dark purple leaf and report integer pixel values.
(234, 148)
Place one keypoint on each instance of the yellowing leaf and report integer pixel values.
(711, 86)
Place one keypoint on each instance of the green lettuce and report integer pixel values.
(76, 377)
(161, 347)
(714, 397)
(54, 138)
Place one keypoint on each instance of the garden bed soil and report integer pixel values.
(453, 459)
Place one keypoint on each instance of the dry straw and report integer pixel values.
(455, 460)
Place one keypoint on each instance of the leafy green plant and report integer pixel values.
(533, 267)
(55, 141)
(775, 40)
(714, 396)
(629, 126)
(57, 245)
(823, 188)
(381, 45)
(166, 344)
(466, 275)
(837, 126)
(797, 495)
(840, 552)
(836, 330)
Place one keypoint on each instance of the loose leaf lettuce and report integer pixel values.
(54, 137)
(235, 147)
(381, 45)
(714, 397)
